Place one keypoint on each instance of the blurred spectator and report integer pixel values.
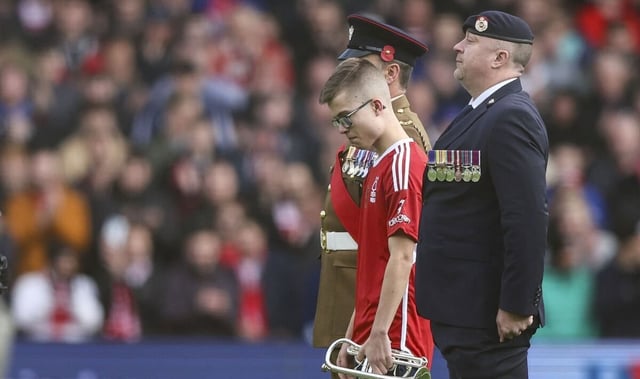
(48, 210)
(563, 120)
(621, 130)
(146, 277)
(153, 48)
(36, 21)
(312, 119)
(624, 199)
(219, 99)
(221, 186)
(74, 20)
(140, 198)
(92, 159)
(229, 217)
(576, 225)
(274, 130)
(56, 98)
(16, 106)
(202, 296)
(14, 171)
(57, 303)
(617, 298)
(596, 17)
(252, 316)
(416, 18)
(253, 44)
(566, 173)
(560, 54)
(612, 78)
(446, 33)
(290, 281)
(127, 17)
(180, 114)
(567, 286)
(122, 315)
(118, 57)
(312, 27)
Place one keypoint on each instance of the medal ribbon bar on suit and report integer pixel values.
(475, 168)
(431, 162)
(454, 165)
(457, 170)
(346, 209)
(466, 165)
(441, 157)
(450, 171)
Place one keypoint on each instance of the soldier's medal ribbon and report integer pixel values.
(431, 171)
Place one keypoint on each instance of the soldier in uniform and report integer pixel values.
(395, 53)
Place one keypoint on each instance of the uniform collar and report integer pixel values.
(399, 102)
(488, 92)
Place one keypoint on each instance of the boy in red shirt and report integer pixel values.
(385, 315)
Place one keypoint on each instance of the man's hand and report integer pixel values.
(377, 349)
(511, 325)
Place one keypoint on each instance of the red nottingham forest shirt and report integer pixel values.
(391, 201)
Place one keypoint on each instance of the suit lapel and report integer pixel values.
(461, 123)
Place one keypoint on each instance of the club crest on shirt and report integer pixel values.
(374, 189)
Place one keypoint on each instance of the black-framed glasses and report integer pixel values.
(345, 121)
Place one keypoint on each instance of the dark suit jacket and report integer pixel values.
(482, 244)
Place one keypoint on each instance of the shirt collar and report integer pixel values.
(488, 92)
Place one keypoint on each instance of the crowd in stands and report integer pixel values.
(163, 163)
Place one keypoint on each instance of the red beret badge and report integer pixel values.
(387, 54)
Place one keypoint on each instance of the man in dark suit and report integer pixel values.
(484, 217)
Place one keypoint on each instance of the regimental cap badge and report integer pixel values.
(350, 32)
(482, 23)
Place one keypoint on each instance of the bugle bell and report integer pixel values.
(400, 359)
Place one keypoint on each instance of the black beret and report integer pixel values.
(368, 36)
(499, 25)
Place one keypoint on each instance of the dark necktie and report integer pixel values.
(464, 111)
(460, 115)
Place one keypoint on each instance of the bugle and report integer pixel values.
(414, 367)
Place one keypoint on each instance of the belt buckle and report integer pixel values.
(323, 240)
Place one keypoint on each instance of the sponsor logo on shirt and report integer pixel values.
(399, 219)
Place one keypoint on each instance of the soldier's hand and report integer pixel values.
(511, 325)
(344, 360)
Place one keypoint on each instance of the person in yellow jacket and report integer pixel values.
(48, 211)
(395, 53)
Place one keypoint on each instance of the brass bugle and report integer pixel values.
(399, 358)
